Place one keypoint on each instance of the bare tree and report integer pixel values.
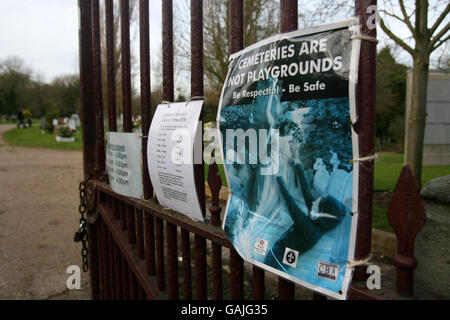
(261, 19)
(423, 40)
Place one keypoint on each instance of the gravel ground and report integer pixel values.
(38, 218)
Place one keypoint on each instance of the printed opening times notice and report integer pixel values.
(117, 164)
(123, 163)
(169, 151)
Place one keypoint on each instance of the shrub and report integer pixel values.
(64, 132)
(52, 113)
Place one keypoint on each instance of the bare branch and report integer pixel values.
(440, 43)
(396, 39)
(440, 19)
(432, 46)
(406, 17)
(394, 16)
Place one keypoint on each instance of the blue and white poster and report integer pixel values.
(285, 118)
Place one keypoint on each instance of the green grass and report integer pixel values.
(379, 219)
(35, 122)
(34, 138)
(389, 165)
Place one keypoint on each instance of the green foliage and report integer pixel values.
(64, 132)
(390, 102)
(52, 113)
(21, 88)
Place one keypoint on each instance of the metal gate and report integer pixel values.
(135, 245)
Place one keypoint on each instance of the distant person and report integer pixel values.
(20, 118)
(27, 115)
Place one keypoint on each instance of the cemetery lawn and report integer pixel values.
(389, 165)
(34, 138)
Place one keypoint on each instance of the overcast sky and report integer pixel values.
(44, 34)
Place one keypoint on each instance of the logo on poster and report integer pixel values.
(327, 270)
(290, 257)
(261, 246)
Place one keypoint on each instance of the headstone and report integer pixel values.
(43, 123)
(72, 124)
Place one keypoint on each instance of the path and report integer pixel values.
(38, 217)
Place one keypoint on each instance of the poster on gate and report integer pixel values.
(285, 117)
(123, 162)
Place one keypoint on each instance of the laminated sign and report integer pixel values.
(123, 162)
(285, 118)
(171, 148)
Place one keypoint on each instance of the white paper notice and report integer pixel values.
(123, 161)
(170, 152)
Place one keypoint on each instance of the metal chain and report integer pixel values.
(82, 233)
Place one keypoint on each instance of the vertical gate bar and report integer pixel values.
(215, 184)
(258, 283)
(115, 208)
(94, 261)
(236, 43)
(198, 91)
(110, 73)
(112, 263)
(200, 268)
(196, 48)
(149, 243)
(236, 276)
(131, 224)
(87, 89)
(286, 289)
(168, 95)
(159, 237)
(146, 111)
(133, 284)
(365, 128)
(289, 15)
(167, 46)
(89, 129)
(217, 271)
(98, 91)
(123, 215)
(140, 234)
(125, 278)
(236, 25)
(99, 258)
(126, 64)
(118, 273)
(141, 294)
(172, 261)
(288, 22)
(106, 262)
(187, 274)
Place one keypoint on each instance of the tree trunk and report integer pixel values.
(415, 117)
